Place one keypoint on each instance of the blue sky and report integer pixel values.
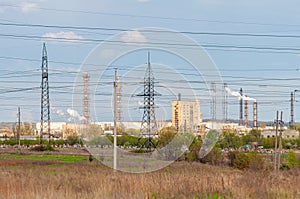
(266, 71)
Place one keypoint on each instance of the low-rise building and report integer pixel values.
(286, 134)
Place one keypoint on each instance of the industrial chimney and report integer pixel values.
(255, 114)
(241, 108)
(246, 121)
(292, 109)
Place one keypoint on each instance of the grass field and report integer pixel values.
(44, 157)
(71, 176)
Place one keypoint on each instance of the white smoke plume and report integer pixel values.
(60, 112)
(74, 114)
(57, 111)
(237, 94)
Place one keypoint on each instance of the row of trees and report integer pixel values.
(227, 141)
(254, 139)
(71, 140)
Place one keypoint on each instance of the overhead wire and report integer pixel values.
(230, 47)
(149, 16)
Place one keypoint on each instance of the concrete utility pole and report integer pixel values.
(115, 121)
(225, 103)
(86, 99)
(275, 151)
(19, 127)
(292, 109)
(280, 140)
(294, 101)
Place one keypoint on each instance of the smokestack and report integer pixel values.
(241, 108)
(255, 115)
(246, 121)
(292, 109)
(179, 96)
(225, 103)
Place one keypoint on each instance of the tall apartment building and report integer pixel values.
(186, 115)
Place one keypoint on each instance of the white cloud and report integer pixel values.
(63, 35)
(134, 37)
(28, 7)
(143, 1)
(75, 115)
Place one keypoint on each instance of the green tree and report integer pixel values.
(268, 143)
(194, 149)
(73, 140)
(166, 135)
(253, 136)
(132, 131)
(214, 157)
(231, 140)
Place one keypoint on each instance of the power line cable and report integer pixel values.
(152, 17)
(149, 31)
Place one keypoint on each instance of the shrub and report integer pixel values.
(71, 140)
(190, 156)
(43, 148)
(194, 149)
(165, 138)
(214, 157)
(284, 166)
(256, 161)
(232, 155)
(241, 161)
(251, 160)
(291, 159)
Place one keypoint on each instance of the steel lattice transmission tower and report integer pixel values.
(45, 104)
(86, 99)
(148, 126)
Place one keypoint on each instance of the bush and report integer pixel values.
(251, 160)
(232, 156)
(190, 156)
(127, 140)
(71, 140)
(165, 138)
(43, 148)
(284, 166)
(241, 161)
(291, 159)
(256, 161)
(194, 149)
(214, 157)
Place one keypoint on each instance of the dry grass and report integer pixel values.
(180, 180)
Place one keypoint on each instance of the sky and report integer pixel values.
(254, 45)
